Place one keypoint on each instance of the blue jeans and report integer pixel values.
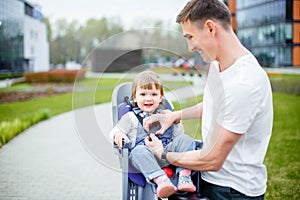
(215, 192)
(143, 159)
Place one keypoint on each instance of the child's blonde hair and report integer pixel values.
(146, 80)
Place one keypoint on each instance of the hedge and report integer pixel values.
(55, 75)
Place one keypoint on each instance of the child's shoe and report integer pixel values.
(185, 184)
(165, 188)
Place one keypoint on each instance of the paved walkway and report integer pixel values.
(48, 161)
(67, 157)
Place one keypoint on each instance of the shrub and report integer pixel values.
(10, 75)
(55, 75)
(38, 77)
(9, 129)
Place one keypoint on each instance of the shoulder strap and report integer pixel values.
(127, 100)
(139, 118)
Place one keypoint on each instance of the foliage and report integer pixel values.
(73, 42)
(57, 75)
(9, 129)
(10, 75)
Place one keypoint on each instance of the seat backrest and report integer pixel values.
(120, 106)
(121, 91)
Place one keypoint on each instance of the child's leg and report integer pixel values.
(182, 143)
(143, 159)
(185, 182)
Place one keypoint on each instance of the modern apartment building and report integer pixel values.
(23, 38)
(269, 28)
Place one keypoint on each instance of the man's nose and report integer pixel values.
(191, 46)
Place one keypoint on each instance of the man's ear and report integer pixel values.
(210, 26)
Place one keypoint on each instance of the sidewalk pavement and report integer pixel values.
(67, 157)
(48, 161)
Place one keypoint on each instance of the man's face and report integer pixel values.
(200, 40)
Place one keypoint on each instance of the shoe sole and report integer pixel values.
(187, 188)
(166, 190)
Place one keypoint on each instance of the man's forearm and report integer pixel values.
(212, 156)
(194, 112)
(193, 160)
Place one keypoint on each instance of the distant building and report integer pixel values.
(269, 29)
(114, 60)
(120, 53)
(23, 37)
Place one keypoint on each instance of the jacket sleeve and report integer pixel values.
(124, 125)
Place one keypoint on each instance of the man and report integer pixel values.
(236, 112)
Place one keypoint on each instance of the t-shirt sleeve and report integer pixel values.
(239, 108)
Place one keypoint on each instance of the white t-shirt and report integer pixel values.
(240, 100)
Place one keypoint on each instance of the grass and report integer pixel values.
(283, 158)
(55, 104)
(191, 127)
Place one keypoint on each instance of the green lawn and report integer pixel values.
(283, 158)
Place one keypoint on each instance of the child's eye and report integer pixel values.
(142, 94)
(154, 94)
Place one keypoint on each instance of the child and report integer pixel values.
(147, 94)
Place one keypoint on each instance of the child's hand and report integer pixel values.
(119, 138)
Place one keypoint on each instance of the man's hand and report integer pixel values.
(119, 138)
(165, 120)
(167, 112)
(155, 144)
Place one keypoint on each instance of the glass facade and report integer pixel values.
(264, 28)
(11, 35)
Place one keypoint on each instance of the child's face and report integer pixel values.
(148, 99)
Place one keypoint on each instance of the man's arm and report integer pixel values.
(210, 158)
(166, 120)
(194, 112)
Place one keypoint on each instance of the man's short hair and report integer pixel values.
(202, 10)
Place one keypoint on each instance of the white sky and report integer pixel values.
(128, 10)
